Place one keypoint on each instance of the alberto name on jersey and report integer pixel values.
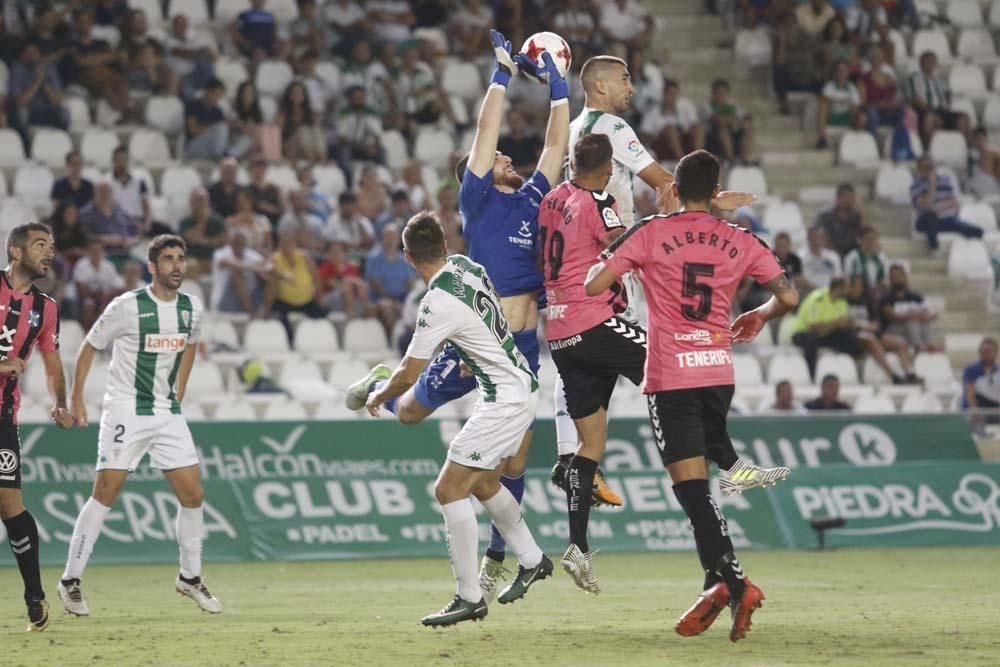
(629, 156)
(148, 337)
(501, 228)
(461, 307)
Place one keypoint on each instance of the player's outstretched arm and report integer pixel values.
(557, 132)
(184, 372)
(484, 146)
(404, 377)
(56, 380)
(84, 358)
(599, 278)
(784, 297)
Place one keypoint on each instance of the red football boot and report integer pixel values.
(751, 601)
(704, 611)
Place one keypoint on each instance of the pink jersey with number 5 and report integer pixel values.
(690, 265)
(573, 224)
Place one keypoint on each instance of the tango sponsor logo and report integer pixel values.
(165, 342)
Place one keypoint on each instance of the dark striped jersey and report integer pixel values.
(29, 319)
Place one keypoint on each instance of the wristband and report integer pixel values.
(558, 89)
(501, 77)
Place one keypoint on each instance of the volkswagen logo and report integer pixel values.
(8, 461)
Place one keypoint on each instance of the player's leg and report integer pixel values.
(567, 439)
(22, 531)
(174, 453)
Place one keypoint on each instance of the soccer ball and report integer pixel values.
(554, 44)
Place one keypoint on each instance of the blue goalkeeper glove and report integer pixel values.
(506, 67)
(548, 72)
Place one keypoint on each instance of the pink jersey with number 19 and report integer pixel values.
(690, 265)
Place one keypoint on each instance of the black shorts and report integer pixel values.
(10, 457)
(692, 422)
(590, 362)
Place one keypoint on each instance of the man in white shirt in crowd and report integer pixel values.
(626, 24)
(239, 274)
(97, 283)
(307, 226)
(820, 265)
(190, 55)
(131, 193)
(674, 130)
(784, 401)
(351, 228)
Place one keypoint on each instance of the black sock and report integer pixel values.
(711, 534)
(22, 533)
(711, 576)
(580, 488)
(566, 459)
(498, 556)
(193, 581)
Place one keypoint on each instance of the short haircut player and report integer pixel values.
(423, 238)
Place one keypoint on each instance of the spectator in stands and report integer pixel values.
(130, 192)
(132, 276)
(905, 313)
(863, 18)
(190, 56)
(984, 165)
(305, 32)
(207, 129)
(239, 274)
(389, 277)
(69, 235)
(106, 221)
(929, 94)
(863, 311)
(842, 223)
(820, 265)
(111, 12)
(795, 62)
(36, 92)
(302, 138)
(790, 262)
(373, 198)
(730, 129)
(823, 321)
(521, 143)
(412, 182)
(418, 90)
(351, 228)
(814, 15)
(320, 203)
(294, 283)
(933, 196)
(784, 400)
(470, 24)
(97, 282)
(321, 94)
(203, 231)
(398, 213)
(346, 20)
(981, 384)
(255, 226)
(246, 122)
(829, 396)
(625, 24)
(341, 287)
(839, 48)
(880, 92)
(392, 19)
(447, 213)
(838, 101)
(266, 195)
(98, 66)
(223, 192)
(673, 130)
(148, 72)
(73, 185)
(308, 227)
(869, 262)
(358, 131)
(576, 25)
(370, 74)
(647, 86)
(255, 33)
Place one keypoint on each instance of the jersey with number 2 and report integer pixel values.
(690, 265)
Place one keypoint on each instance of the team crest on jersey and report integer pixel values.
(634, 146)
(611, 218)
(33, 318)
(619, 126)
(186, 317)
(525, 230)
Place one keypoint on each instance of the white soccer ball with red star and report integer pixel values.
(557, 48)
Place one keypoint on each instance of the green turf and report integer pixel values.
(864, 607)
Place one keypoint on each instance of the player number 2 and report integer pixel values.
(692, 288)
(119, 432)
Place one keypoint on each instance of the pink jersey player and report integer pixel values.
(575, 226)
(691, 265)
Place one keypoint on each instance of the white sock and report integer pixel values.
(463, 545)
(567, 438)
(507, 516)
(190, 529)
(85, 533)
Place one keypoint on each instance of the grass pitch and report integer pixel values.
(863, 607)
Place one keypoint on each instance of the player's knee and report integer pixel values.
(444, 493)
(191, 499)
(410, 414)
(11, 503)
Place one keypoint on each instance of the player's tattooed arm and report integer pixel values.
(785, 297)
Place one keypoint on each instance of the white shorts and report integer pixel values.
(493, 432)
(125, 438)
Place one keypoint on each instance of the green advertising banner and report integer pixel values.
(318, 490)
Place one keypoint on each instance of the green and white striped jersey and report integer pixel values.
(628, 155)
(148, 337)
(462, 308)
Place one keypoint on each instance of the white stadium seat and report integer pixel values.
(97, 145)
(11, 148)
(858, 148)
(892, 183)
(934, 368)
(968, 80)
(980, 214)
(932, 40)
(273, 76)
(242, 175)
(872, 373)
(747, 179)
(877, 404)
(33, 183)
(304, 381)
(965, 13)
(149, 147)
(966, 106)
(317, 339)
(791, 367)
(285, 411)
(268, 108)
(49, 146)
(227, 10)
(330, 179)
(79, 113)
(969, 258)
(366, 338)
(346, 373)
(976, 44)
(267, 340)
(235, 411)
(178, 181)
(747, 370)
(920, 402)
(841, 365)
(195, 10)
(206, 383)
(396, 153)
(330, 75)
(283, 176)
(434, 147)
(71, 336)
(753, 47)
(949, 147)
(97, 382)
(165, 113)
(785, 217)
(994, 18)
(991, 112)
(462, 79)
(231, 72)
(193, 412)
(35, 412)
